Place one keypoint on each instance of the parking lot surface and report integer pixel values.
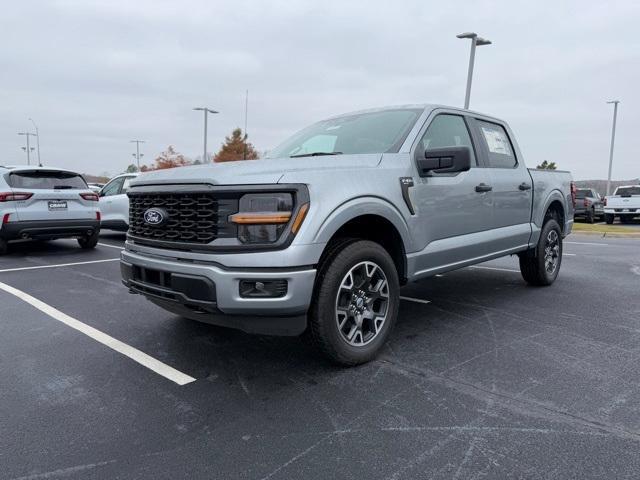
(484, 377)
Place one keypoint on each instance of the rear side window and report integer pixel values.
(47, 180)
(499, 148)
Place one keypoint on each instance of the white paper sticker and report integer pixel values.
(497, 141)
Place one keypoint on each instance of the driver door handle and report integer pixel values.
(483, 187)
(524, 186)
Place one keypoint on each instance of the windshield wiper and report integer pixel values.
(314, 154)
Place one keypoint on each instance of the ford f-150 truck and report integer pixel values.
(624, 204)
(319, 237)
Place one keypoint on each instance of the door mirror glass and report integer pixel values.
(445, 160)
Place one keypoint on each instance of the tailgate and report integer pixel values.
(624, 203)
(54, 195)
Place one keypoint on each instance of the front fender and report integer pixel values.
(359, 206)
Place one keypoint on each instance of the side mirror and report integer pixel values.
(445, 160)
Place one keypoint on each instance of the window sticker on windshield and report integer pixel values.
(496, 140)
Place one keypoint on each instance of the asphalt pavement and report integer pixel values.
(484, 377)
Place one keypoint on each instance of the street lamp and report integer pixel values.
(28, 147)
(37, 140)
(475, 41)
(137, 154)
(206, 111)
(613, 139)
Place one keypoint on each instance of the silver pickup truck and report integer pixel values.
(318, 238)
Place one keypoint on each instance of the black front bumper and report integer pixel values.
(48, 229)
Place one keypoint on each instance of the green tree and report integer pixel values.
(236, 147)
(547, 166)
(131, 169)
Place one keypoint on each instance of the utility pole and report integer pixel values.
(246, 114)
(475, 41)
(28, 147)
(137, 154)
(37, 140)
(206, 111)
(613, 139)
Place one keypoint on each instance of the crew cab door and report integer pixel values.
(109, 200)
(511, 184)
(453, 209)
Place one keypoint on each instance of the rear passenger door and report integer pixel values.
(511, 185)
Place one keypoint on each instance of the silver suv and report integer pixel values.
(40, 203)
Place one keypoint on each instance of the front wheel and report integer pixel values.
(355, 302)
(591, 215)
(540, 265)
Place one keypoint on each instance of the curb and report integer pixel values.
(607, 234)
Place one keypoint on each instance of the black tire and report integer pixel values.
(89, 241)
(4, 246)
(590, 216)
(534, 264)
(609, 218)
(625, 219)
(351, 257)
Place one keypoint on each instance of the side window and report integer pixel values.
(499, 148)
(112, 188)
(447, 131)
(125, 185)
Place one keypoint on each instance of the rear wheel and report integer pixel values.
(89, 241)
(625, 219)
(608, 218)
(355, 302)
(3, 246)
(540, 266)
(590, 216)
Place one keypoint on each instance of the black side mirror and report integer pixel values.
(445, 160)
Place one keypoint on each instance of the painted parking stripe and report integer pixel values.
(588, 243)
(495, 268)
(416, 300)
(564, 254)
(37, 267)
(110, 246)
(120, 347)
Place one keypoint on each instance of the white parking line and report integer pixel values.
(416, 300)
(110, 246)
(564, 254)
(59, 265)
(588, 243)
(495, 268)
(127, 350)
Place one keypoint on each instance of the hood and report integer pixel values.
(254, 172)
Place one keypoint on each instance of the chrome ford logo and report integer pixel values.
(155, 216)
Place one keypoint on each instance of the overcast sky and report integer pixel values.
(96, 74)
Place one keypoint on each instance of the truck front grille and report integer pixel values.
(192, 217)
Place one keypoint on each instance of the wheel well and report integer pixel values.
(376, 229)
(555, 211)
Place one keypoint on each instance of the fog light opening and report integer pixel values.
(263, 288)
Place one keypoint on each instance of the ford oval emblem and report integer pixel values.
(155, 216)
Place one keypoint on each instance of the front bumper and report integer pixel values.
(48, 229)
(211, 293)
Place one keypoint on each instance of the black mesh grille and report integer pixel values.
(192, 217)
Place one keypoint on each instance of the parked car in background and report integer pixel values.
(320, 237)
(589, 205)
(96, 187)
(114, 203)
(624, 204)
(42, 203)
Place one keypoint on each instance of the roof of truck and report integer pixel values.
(417, 106)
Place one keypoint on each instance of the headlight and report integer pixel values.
(263, 216)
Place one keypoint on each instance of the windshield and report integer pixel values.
(373, 132)
(628, 191)
(47, 180)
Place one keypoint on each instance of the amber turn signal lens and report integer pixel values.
(300, 218)
(267, 218)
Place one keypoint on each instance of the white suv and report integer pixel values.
(40, 203)
(114, 203)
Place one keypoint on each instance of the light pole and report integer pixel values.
(475, 41)
(206, 111)
(28, 148)
(37, 140)
(137, 154)
(613, 139)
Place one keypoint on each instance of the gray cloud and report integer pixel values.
(96, 74)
